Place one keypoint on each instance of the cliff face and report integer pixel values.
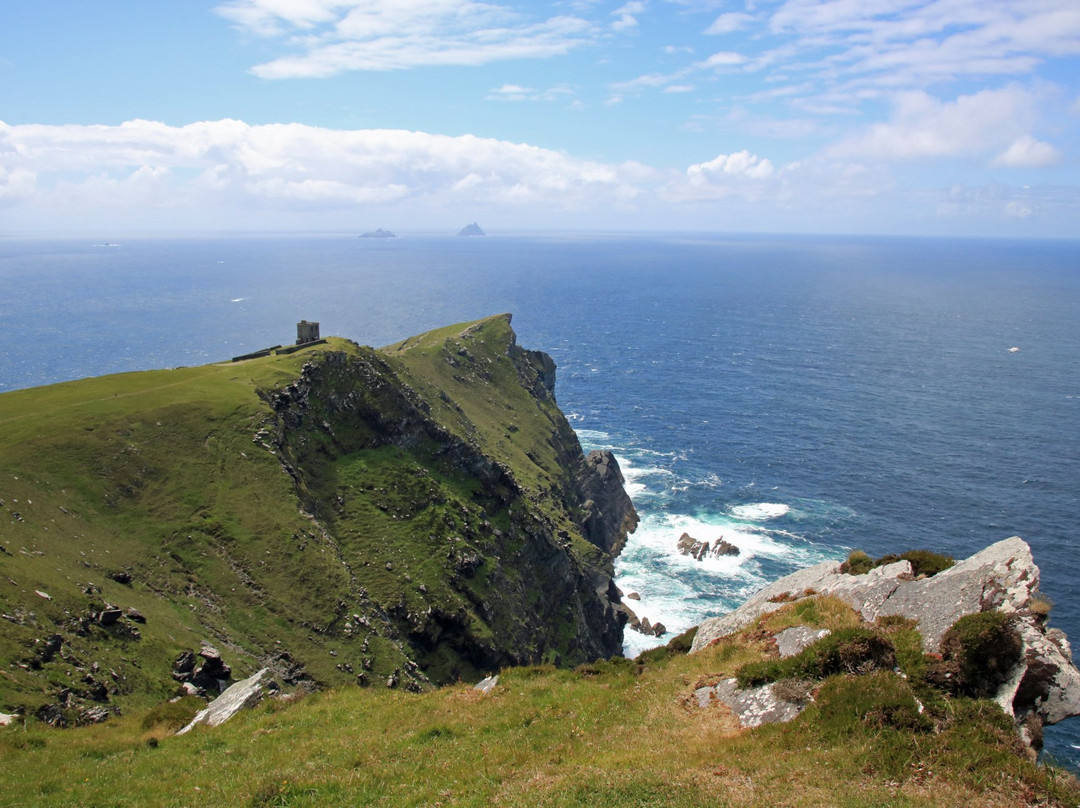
(500, 543)
(392, 517)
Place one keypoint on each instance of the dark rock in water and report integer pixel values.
(724, 548)
(380, 233)
(690, 546)
(471, 230)
(633, 596)
(659, 629)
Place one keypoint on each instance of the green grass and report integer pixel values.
(614, 733)
(421, 495)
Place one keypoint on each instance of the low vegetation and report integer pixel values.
(924, 563)
(613, 733)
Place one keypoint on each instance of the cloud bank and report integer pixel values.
(228, 174)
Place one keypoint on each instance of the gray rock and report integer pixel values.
(754, 706)
(240, 696)
(1002, 577)
(487, 685)
(792, 640)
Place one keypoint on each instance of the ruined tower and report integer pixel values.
(306, 332)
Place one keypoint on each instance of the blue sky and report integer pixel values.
(940, 117)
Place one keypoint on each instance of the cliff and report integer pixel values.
(396, 518)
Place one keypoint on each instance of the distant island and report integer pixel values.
(471, 230)
(380, 233)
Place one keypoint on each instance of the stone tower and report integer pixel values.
(306, 332)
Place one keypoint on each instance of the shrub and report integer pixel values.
(923, 562)
(978, 652)
(677, 646)
(858, 563)
(879, 700)
(849, 650)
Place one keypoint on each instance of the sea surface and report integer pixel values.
(797, 396)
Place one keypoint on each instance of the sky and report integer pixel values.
(927, 117)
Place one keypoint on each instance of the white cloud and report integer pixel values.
(924, 127)
(721, 59)
(679, 88)
(739, 164)
(228, 165)
(729, 22)
(1027, 152)
(336, 36)
(627, 15)
(514, 92)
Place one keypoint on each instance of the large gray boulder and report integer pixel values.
(1003, 577)
(240, 696)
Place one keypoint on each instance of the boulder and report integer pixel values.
(792, 640)
(240, 696)
(753, 706)
(487, 685)
(690, 546)
(724, 548)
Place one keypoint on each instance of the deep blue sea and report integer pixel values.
(799, 396)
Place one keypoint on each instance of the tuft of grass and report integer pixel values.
(924, 563)
(979, 651)
(850, 650)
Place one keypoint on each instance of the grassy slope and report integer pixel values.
(176, 477)
(608, 734)
(157, 474)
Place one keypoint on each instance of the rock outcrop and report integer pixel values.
(240, 696)
(698, 549)
(1003, 577)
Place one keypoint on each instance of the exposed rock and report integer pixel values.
(6, 719)
(1003, 577)
(184, 666)
(94, 715)
(690, 546)
(135, 615)
(724, 548)
(471, 230)
(698, 549)
(379, 233)
(633, 596)
(487, 685)
(792, 640)
(121, 577)
(241, 695)
(109, 615)
(754, 706)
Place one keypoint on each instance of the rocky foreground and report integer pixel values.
(1042, 687)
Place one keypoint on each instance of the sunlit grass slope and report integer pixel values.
(614, 733)
(404, 515)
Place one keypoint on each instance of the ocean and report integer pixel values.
(797, 396)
